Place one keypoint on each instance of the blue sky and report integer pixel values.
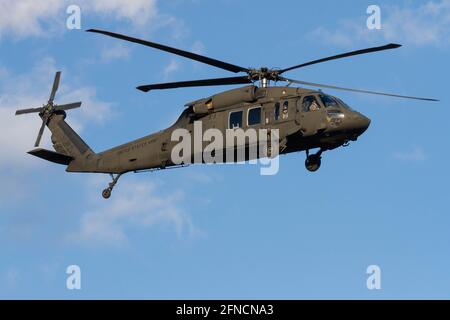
(225, 231)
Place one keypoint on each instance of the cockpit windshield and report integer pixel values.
(343, 104)
(333, 102)
(329, 101)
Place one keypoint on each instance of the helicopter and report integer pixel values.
(306, 119)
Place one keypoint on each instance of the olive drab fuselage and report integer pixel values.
(282, 108)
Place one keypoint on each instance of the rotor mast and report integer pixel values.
(264, 81)
(263, 75)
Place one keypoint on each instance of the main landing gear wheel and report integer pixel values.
(313, 161)
(106, 193)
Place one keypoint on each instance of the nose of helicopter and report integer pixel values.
(361, 123)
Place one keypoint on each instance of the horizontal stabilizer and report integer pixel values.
(51, 156)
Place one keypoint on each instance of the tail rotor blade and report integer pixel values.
(55, 86)
(30, 110)
(41, 131)
(48, 110)
(68, 106)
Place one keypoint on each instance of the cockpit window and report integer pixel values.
(329, 101)
(309, 103)
(343, 104)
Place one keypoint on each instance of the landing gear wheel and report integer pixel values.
(106, 193)
(312, 163)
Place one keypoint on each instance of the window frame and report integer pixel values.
(327, 96)
(229, 118)
(260, 115)
(318, 101)
(285, 106)
(276, 111)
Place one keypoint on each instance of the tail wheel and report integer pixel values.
(106, 193)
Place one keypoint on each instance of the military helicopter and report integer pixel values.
(306, 119)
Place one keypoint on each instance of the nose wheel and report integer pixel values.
(106, 193)
(313, 161)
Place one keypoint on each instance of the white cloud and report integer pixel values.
(139, 12)
(175, 65)
(32, 89)
(91, 109)
(427, 24)
(28, 17)
(198, 47)
(417, 154)
(171, 68)
(344, 35)
(25, 18)
(115, 52)
(11, 278)
(133, 205)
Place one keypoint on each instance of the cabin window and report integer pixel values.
(235, 120)
(284, 112)
(276, 111)
(310, 103)
(254, 116)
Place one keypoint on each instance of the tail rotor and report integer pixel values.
(47, 110)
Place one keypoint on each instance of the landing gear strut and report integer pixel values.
(106, 193)
(313, 161)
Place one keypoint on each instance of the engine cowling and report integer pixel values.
(225, 99)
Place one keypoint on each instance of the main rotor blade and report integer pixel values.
(196, 83)
(30, 110)
(344, 55)
(355, 90)
(186, 54)
(41, 131)
(67, 106)
(55, 86)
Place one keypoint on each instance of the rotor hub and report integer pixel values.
(264, 73)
